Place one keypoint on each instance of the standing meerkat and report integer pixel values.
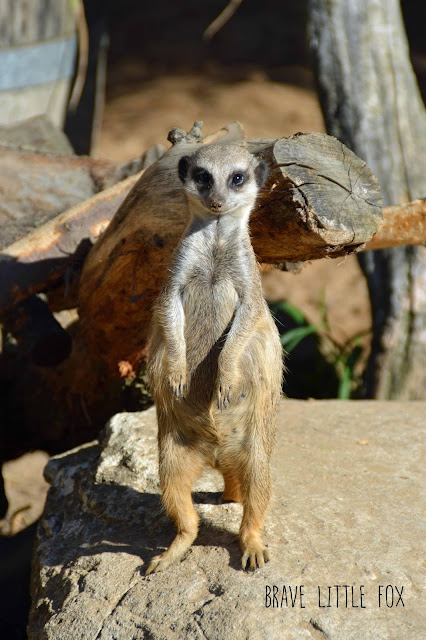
(215, 361)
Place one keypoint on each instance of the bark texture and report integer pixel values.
(372, 103)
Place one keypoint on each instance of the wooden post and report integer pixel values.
(372, 103)
(37, 50)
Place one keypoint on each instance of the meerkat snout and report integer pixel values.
(216, 205)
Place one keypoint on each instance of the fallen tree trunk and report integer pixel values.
(53, 255)
(297, 218)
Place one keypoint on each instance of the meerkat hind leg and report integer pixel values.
(232, 490)
(255, 489)
(179, 468)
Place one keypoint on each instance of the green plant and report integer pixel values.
(344, 357)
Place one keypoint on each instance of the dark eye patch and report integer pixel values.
(238, 178)
(202, 177)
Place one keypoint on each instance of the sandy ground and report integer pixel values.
(134, 121)
(26, 491)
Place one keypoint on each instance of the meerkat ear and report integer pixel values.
(183, 167)
(261, 173)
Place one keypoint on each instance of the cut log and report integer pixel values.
(40, 260)
(321, 200)
(32, 265)
(52, 255)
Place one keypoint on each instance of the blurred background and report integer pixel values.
(141, 68)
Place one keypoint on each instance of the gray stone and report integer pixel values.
(347, 509)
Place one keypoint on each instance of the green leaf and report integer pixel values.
(345, 383)
(344, 390)
(290, 339)
(290, 310)
(354, 356)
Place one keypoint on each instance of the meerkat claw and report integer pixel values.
(156, 565)
(255, 555)
(223, 397)
(177, 388)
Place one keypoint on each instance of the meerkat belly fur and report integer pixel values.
(215, 355)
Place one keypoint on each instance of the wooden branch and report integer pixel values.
(402, 225)
(221, 19)
(37, 185)
(55, 251)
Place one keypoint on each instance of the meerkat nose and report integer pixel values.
(216, 205)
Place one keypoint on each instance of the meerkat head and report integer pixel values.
(222, 179)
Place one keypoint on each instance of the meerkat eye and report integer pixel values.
(238, 179)
(202, 177)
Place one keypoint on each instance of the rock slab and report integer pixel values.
(345, 530)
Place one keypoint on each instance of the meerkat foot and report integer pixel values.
(224, 396)
(173, 554)
(177, 384)
(255, 554)
(160, 563)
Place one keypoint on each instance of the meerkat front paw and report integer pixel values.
(177, 383)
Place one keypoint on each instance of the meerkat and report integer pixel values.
(215, 362)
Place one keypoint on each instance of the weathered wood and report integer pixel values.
(37, 44)
(35, 188)
(310, 232)
(323, 200)
(371, 102)
(42, 258)
(21, 23)
(320, 200)
(40, 178)
(76, 229)
(402, 225)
